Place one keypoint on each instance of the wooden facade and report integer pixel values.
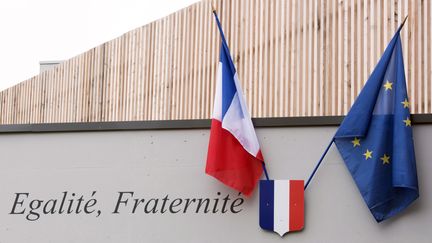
(294, 58)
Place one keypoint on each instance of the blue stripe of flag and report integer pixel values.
(228, 85)
(266, 204)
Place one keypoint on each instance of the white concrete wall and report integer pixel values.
(157, 163)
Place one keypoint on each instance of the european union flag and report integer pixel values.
(375, 138)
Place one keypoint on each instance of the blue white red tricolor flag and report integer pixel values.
(281, 205)
(234, 156)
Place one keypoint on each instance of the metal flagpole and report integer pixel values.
(319, 163)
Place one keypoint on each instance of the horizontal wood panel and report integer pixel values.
(294, 58)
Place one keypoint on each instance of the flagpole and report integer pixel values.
(224, 45)
(265, 170)
(403, 23)
(319, 163)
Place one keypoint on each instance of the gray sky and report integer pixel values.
(45, 30)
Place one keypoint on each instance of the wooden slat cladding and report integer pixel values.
(294, 58)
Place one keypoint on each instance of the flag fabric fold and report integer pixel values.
(234, 156)
(375, 139)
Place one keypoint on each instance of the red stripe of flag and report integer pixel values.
(296, 207)
(229, 162)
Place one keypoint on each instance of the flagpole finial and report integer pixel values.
(213, 7)
(403, 23)
(404, 20)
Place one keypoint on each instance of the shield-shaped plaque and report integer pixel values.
(281, 205)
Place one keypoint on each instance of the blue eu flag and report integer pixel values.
(375, 138)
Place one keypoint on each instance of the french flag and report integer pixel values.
(281, 205)
(234, 156)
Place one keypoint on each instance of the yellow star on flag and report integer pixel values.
(407, 122)
(385, 159)
(368, 154)
(388, 85)
(356, 142)
(405, 103)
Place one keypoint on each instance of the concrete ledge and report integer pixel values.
(182, 124)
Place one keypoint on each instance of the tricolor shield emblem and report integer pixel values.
(281, 205)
